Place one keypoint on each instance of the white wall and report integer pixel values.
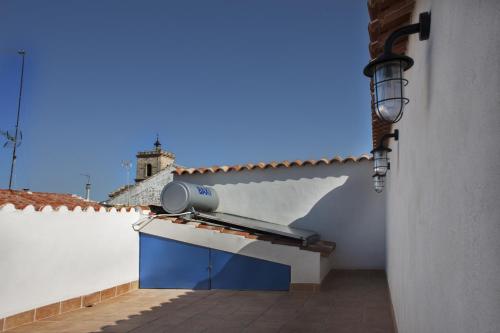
(50, 256)
(146, 192)
(337, 201)
(443, 193)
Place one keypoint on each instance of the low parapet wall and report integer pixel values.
(55, 254)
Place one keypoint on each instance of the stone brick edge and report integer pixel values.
(54, 309)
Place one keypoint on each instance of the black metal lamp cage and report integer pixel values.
(378, 182)
(386, 71)
(380, 154)
(381, 162)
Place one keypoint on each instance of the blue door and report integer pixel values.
(165, 263)
(237, 272)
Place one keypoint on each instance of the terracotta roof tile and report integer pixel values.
(55, 201)
(270, 165)
(323, 247)
(39, 200)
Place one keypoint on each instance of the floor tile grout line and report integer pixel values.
(204, 297)
(282, 326)
(263, 312)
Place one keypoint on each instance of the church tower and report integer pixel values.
(151, 162)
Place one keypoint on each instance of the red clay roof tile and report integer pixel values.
(270, 165)
(39, 200)
(323, 247)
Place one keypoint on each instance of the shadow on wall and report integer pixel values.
(323, 198)
(237, 272)
(356, 225)
(332, 211)
(197, 267)
(336, 201)
(280, 195)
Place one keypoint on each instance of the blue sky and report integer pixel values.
(222, 82)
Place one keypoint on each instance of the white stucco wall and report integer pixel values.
(443, 192)
(147, 192)
(337, 201)
(50, 256)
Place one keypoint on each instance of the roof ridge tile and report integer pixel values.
(270, 165)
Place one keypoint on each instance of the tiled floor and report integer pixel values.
(350, 301)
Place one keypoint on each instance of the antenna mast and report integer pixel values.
(22, 53)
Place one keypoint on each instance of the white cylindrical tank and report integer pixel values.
(178, 197)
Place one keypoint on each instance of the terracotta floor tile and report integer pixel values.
(300, 326)
(264, 326)
(351, 301)
(345, 315)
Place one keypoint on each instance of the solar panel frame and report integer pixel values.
(306, 236)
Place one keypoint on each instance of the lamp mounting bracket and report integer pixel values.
(394, 135)
(423, 28)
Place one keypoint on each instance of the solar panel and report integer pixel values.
(306, 236)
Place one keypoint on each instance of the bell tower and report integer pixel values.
(151, 162)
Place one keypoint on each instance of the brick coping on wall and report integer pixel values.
(54, 309)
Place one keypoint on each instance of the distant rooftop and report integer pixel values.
(21, 199)
(39, 200)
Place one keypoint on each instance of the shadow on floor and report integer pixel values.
(349, 301)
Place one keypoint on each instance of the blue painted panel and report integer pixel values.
(165, 263)
(234, 271)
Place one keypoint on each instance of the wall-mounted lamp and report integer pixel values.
(387, 71)
(381, 161)
(378, 182)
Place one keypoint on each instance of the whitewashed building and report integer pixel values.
(443, 188)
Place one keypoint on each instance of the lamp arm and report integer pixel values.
(423, 28)
(401, 32)
(385, 137)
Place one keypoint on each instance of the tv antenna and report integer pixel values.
(127, 165)
(87, 186)
(11, 140)
(16, 139)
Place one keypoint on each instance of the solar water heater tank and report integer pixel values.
(178, 197)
